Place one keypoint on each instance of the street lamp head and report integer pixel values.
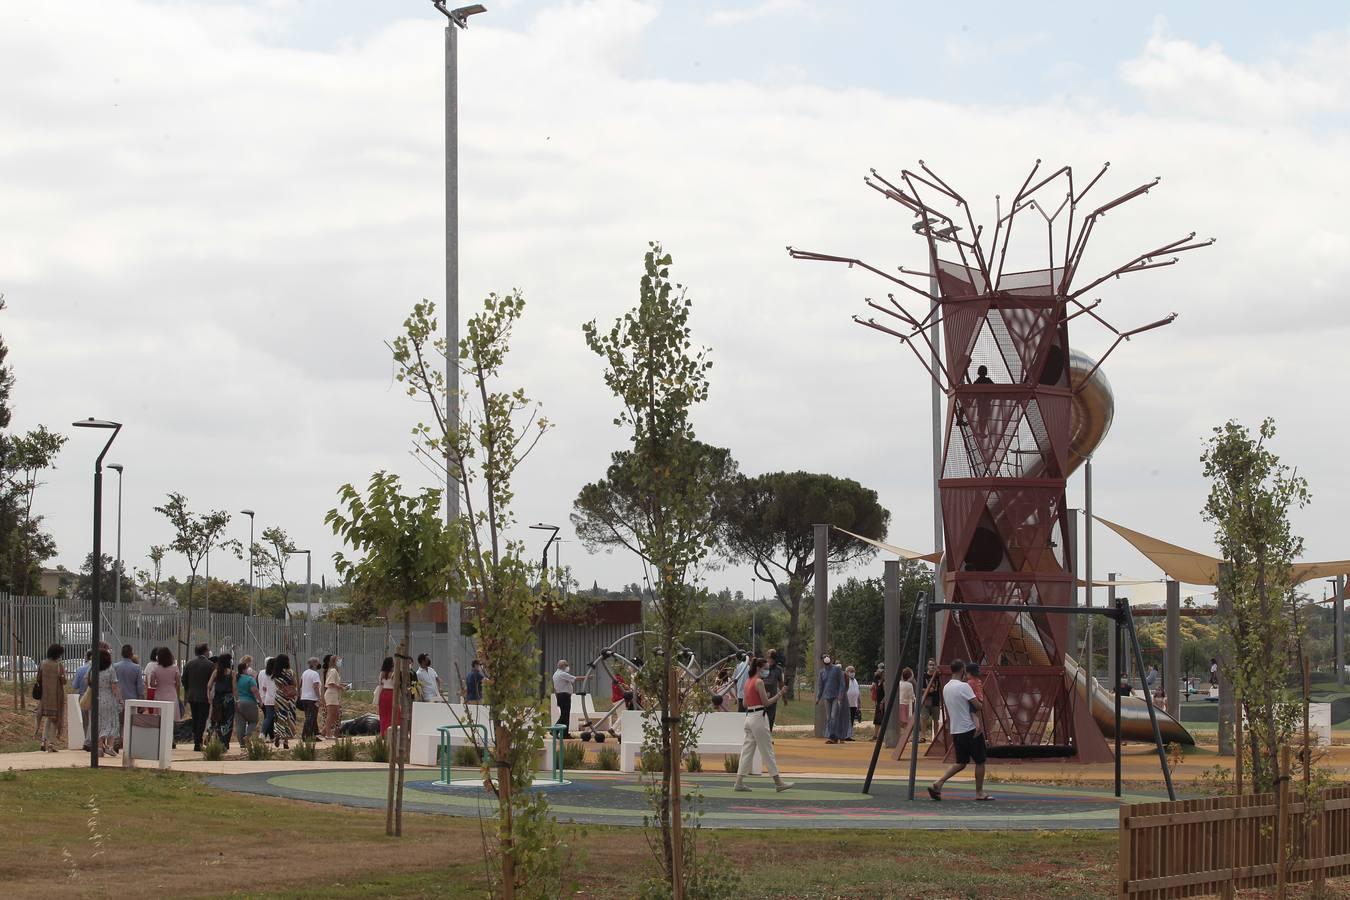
(116, 467)
(91, 422)
(246, 512)
(459, 16)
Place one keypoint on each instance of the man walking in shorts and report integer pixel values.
(964, 726)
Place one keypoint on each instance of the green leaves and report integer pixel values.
(1251, 495)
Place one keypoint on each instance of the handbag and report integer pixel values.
(87, 699)
(37, 689)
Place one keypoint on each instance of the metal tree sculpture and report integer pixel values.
(1005, 371)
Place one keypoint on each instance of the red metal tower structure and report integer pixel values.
(1004, 367)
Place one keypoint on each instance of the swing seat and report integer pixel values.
(1031, 751)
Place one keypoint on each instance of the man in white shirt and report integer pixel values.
(310, 685)
(563, 684)
(428, 680)
(964, 726)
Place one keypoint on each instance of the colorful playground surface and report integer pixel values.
(594, 798)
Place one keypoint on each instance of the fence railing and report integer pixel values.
(29, 625)
(1220, 845)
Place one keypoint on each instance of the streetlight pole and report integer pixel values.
(117, 566)
(543, 576)
(97, 586)
(249, 513)
(458, 18)
(309, 601)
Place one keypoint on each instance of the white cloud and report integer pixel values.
(1183, 77)
(208, 236)
(722, 18)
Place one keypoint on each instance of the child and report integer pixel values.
(975, 681)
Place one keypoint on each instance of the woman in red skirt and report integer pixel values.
(385, 694)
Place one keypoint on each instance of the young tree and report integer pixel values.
(27, 546)
(770, 524)
(653, 368)
(270, 557)
(405, 555)
(497, 429)
(1251, 494)
(157, 552)
(194, 536)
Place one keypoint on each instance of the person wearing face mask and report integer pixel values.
(332, 696)
(564, 683)
(757, 736)
(774, 683)
(830, 691)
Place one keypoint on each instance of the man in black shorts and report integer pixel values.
(964, 726)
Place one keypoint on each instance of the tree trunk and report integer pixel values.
(676, 757)
(394, 750)
(405, 725)
(794, 643)
(506, 826)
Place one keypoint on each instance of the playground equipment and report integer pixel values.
(1005, 368)
(596, 726)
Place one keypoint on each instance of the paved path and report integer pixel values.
(611, 799)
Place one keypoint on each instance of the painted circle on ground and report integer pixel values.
(603, 799)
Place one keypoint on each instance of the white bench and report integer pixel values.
(718, 733)
(428, 717)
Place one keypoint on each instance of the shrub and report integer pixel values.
(693, 762)
(343, 750)
(574, 755)
(607, 758)
(9, 775)
(379, 750)
(304, 751)
(651, 761)
(213, 750)
(731, 762)
(467, 755)
(256, 748)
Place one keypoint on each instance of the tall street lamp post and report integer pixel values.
(115, 427)
(117, 566)
(543, 576)
(249, 513)
(458, 18)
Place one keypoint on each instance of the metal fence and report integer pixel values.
(29, 625)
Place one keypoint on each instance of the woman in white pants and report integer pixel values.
(757, 735)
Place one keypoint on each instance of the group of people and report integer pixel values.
(837, 688)
(222, 698)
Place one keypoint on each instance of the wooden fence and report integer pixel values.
(1218, 845)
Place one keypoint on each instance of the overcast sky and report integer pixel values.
(212, 215)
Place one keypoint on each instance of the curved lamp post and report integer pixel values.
(97, 586)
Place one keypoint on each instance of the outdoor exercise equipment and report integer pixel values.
(1005, 368)
(688, 659)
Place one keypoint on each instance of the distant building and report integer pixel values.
(58, 582)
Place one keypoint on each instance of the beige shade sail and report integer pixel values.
(1193, 567)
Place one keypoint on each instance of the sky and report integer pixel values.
(212, 215)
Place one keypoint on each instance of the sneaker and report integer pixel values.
(742, 788)
(782, 786)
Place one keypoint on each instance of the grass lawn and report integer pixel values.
(169, 834)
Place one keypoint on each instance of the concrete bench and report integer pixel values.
(718, 733)
(425, 742)
(427, 717)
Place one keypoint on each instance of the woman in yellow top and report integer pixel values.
(332, 694)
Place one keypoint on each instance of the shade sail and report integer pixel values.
(891, 548)
(1193, 567)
